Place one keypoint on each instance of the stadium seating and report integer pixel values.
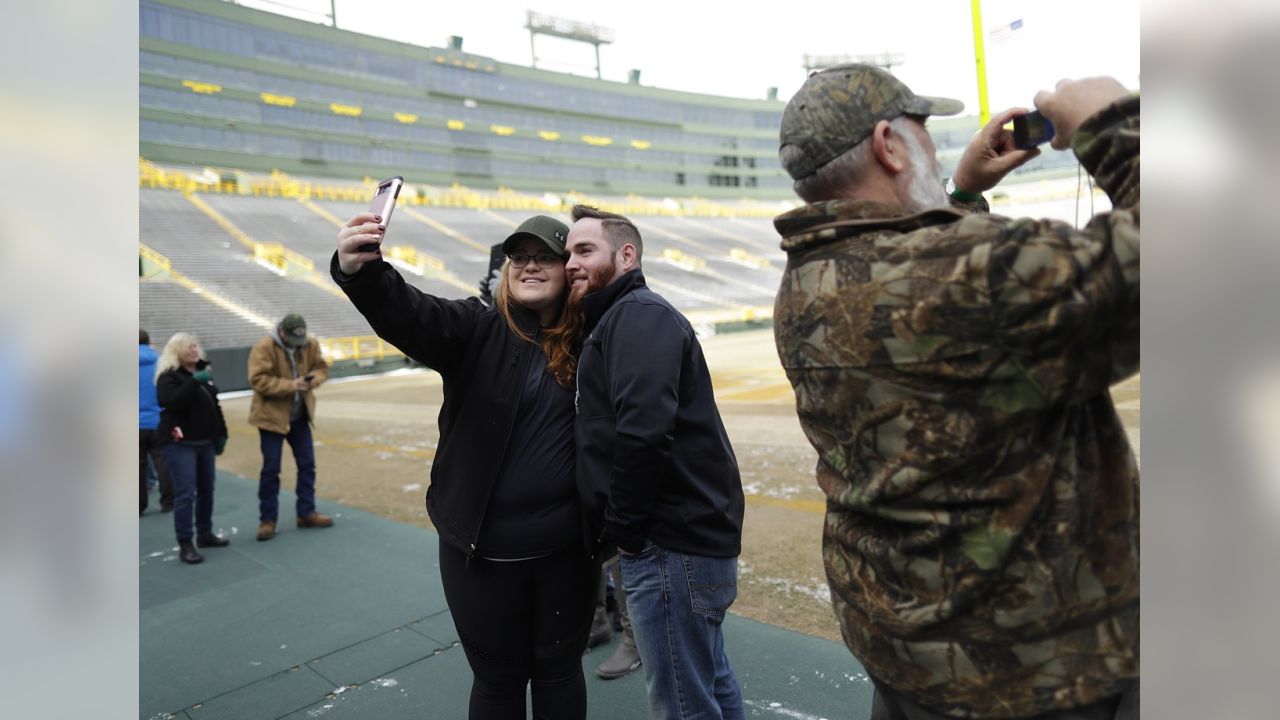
(230, 298)
(168, 308)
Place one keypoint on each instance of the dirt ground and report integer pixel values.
(376, 437)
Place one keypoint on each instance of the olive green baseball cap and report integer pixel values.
(549, 230)
(838, 108)
(294, 329)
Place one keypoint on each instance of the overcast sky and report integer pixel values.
(722, 49)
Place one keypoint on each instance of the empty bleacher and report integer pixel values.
(229, 297)
(167, 308)
(462, 264)
(217, 262)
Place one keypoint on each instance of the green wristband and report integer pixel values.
(956, 193)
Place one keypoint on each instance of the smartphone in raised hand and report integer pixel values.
(383, 203)
(1031, 130)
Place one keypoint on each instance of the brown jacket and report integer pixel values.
(271, 377)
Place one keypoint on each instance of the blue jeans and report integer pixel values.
(304, 455)
(677, 604)
(191, 466)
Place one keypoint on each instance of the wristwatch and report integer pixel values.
(958, 194)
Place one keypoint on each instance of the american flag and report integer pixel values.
(1005, 32)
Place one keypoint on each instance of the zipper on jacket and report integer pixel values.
(511, 421)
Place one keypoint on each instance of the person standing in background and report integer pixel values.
(150, 443)
(193, 421)
(284, 368)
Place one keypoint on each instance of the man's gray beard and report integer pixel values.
(924, 189)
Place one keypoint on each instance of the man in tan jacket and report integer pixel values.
(284, 368)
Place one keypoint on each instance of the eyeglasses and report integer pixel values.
(542, 260)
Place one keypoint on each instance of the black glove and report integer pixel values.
(219, 445)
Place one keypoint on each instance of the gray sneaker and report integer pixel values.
(625, 658)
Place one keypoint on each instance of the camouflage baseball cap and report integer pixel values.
(549, 230)
(838, 107)
(294, 330)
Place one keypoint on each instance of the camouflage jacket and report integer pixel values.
(952, 369)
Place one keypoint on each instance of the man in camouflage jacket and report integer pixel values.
(951, 368)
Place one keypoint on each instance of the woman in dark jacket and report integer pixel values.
(192, 420)
(519, 583)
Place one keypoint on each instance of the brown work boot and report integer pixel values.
(601, 629)
(624, 659)
(266, 529)
(315, 520)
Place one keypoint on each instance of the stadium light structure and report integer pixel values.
(886, 60)
(590, 33)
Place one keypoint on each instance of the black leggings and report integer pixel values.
(519, 622)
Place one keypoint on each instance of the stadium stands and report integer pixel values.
(219, 287)
(218, 263)
(168, 308)
(260, 132)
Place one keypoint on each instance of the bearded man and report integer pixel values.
(951, 369)
(656, 473)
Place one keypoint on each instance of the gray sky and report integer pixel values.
(719, 48)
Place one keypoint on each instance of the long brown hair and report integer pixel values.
(561, 342)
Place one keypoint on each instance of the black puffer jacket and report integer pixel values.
(654, 462)
(190, 405)
(483, 365)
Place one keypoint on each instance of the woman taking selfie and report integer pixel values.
(503, 498)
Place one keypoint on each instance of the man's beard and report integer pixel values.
(924, 188)
(597, 280)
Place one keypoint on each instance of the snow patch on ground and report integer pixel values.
(777, 708)
(816, 588)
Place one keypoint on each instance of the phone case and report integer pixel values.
(1031, 129)
(383, 204)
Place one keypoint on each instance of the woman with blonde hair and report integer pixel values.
(193, 422)
(503, 497)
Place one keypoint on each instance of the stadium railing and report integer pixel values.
(282, 185)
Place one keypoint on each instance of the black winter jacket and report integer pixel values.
(483, 365)
(654, 462)
(190, 405)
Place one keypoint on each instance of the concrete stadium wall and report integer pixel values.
(231, 367)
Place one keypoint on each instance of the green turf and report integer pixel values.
(350, 622)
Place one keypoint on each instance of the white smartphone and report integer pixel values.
(383, 203)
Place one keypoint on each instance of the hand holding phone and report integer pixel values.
(1031, 130)
(383, 203)
(1074, 101)
(991, 154)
